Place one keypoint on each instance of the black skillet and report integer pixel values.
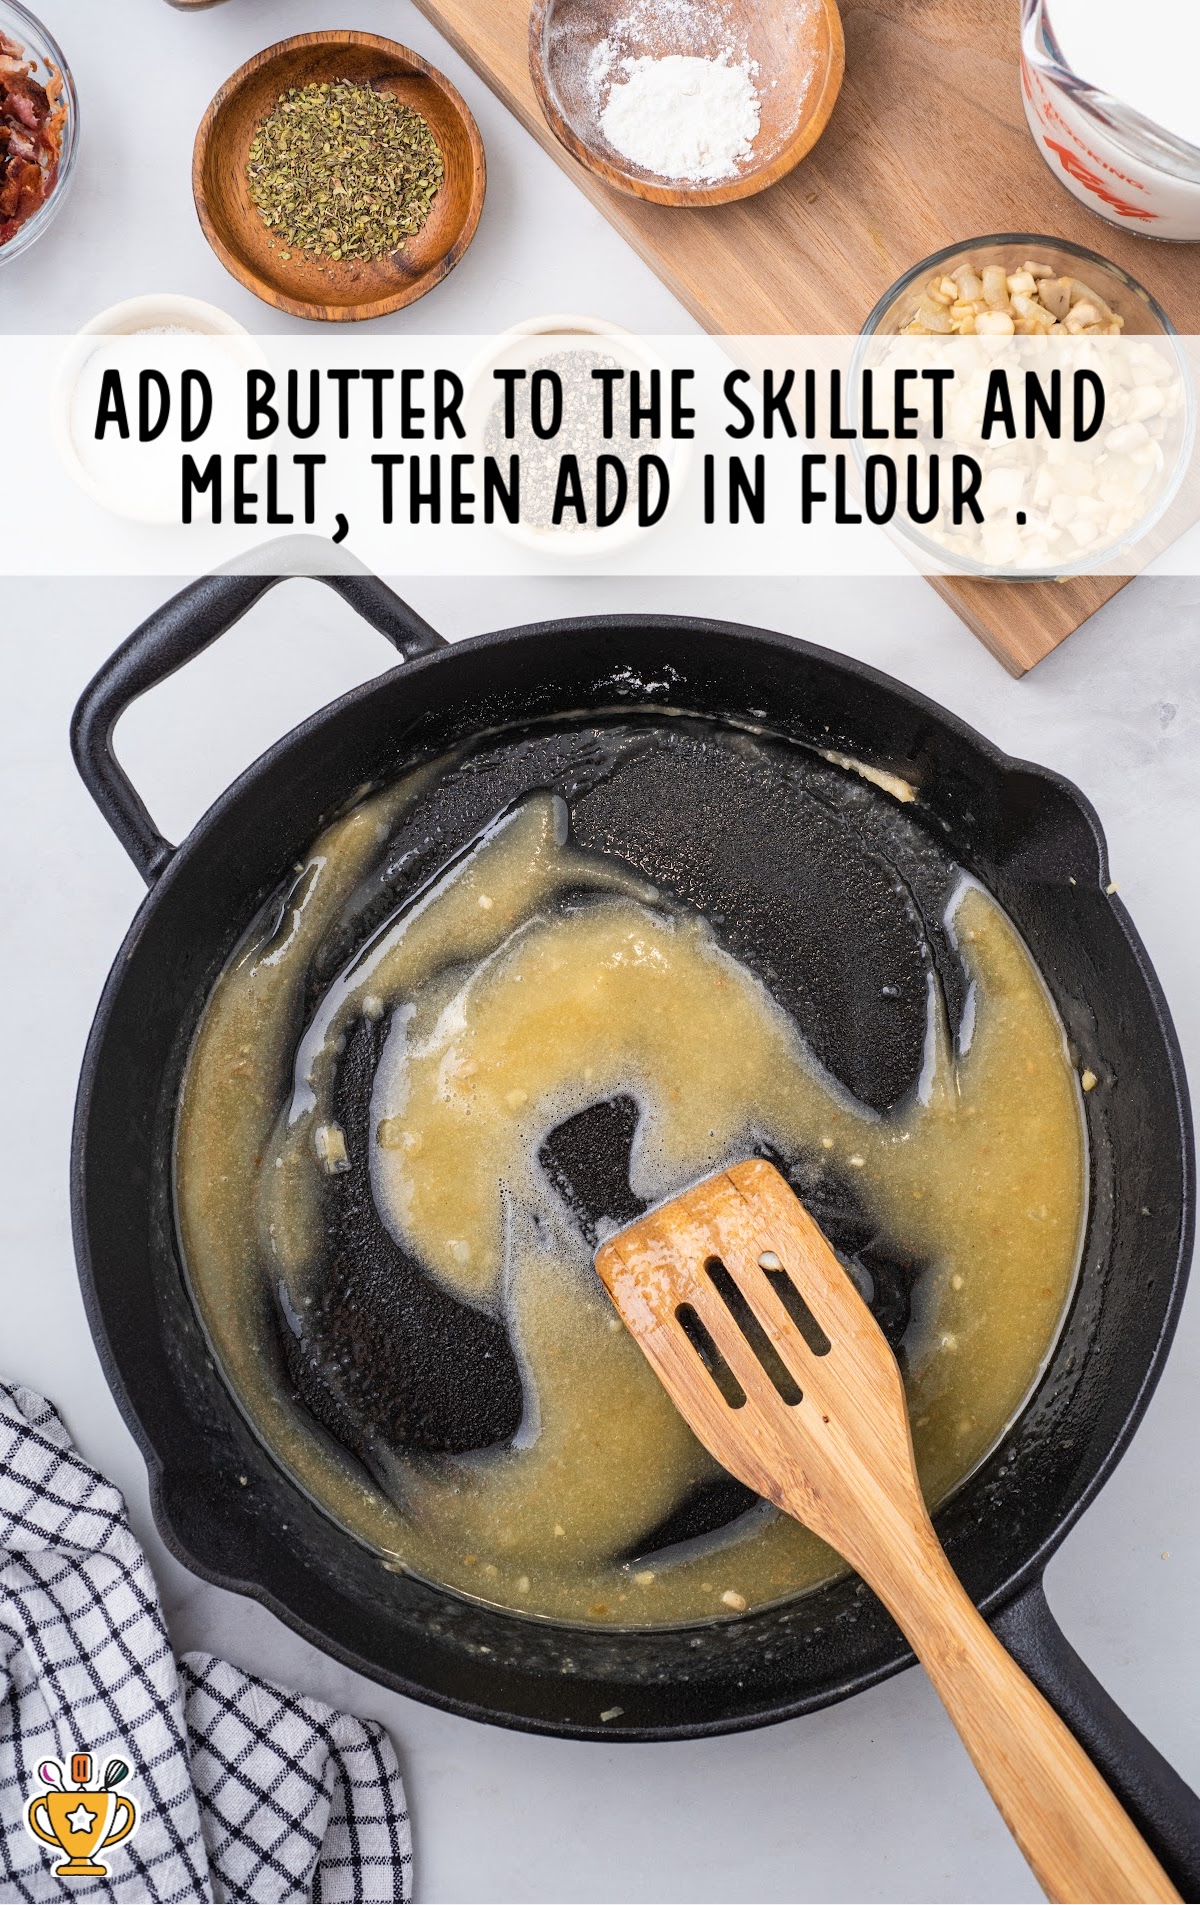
(695, 816)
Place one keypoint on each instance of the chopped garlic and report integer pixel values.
(330, 1143)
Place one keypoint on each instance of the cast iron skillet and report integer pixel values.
(229, 1512)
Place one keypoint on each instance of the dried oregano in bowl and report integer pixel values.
(341, 171)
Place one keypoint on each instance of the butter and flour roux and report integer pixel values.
(529, 981)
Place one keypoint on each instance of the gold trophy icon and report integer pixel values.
(82, 1822)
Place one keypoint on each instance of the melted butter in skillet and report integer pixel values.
(570, 985)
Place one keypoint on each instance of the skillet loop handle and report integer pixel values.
(1161, 1805)
(181, 629)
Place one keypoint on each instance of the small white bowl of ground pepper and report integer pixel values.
(577, 351)
(338, 176)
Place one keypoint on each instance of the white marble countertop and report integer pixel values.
(873, 1799)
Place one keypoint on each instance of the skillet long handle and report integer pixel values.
(1161, 1804)
(1078, 1838)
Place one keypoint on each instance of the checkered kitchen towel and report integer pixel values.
(244, 1790)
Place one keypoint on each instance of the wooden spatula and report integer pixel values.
(768, 1351)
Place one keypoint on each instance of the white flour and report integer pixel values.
(681, 117)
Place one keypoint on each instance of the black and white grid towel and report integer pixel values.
(245, 1791)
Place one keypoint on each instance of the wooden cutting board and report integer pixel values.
(927, 146)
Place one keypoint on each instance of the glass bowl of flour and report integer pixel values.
(687, 102)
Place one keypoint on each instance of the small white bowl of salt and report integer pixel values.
(125, 477)
(163, 314)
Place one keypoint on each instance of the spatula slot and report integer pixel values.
(794, 1304)
(700, 1340)
(753, 1331)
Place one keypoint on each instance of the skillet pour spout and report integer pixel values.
(1026, 834)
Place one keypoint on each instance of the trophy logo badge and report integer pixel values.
(81, 1820)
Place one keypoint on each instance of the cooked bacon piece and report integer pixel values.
(22, 191)
(21, 103)
(32, 118)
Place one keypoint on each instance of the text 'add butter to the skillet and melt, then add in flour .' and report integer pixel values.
(406, 1066)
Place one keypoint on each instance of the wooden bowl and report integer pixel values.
(797, 46)
(320, 288)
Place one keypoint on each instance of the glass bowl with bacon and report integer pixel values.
(39, 122)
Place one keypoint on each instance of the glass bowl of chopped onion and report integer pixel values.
(917, 297)
(1036, 305)
(39, 129)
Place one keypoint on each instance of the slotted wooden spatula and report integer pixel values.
(768, 1351)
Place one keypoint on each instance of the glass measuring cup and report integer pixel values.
(1119, 163)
